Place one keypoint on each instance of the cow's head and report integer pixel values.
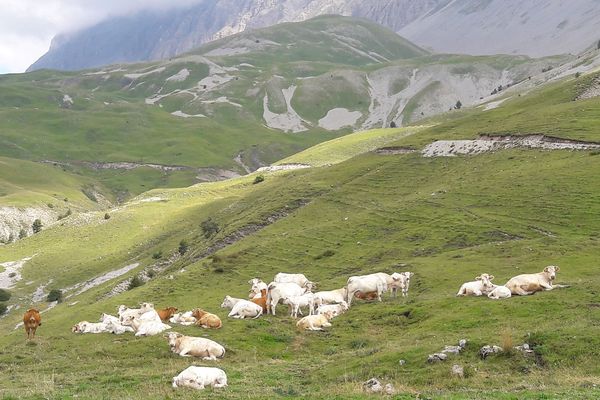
(551, 271)
(227, 302)
(172, 339)
(486, 281)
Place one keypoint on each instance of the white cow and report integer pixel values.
(257, 286)
(315, 322)
(241, 308)
(89, 327)
(106, 318)
(117, 328)
(499, 292)
(283, 290)
(334, 309)
(480, 286)
(295, 302)
(188, 346)
(298, 279)
(331, 296)
(526, 284)
(124, 311)
(378, 282)
(404, 283)
(200, 377)
(145, 328)
(185, 318)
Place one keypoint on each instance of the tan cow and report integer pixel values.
(206, 319)
(526, 284)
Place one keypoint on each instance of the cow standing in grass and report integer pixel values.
(31, 320)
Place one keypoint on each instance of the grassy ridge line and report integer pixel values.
(341, 149)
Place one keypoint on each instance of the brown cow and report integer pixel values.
(31, 320)
(262, 300)
(206, 319)
(166, 313)
(369, 296)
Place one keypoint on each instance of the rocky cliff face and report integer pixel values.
(159, 35)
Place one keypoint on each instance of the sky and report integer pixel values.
(28, 26)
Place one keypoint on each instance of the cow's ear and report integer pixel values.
(411, 273)
(547, 269)
(556, 269)
(491, 277)
(478, 278)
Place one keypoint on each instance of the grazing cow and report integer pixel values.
(166, 313)
(334, 309)
(145, 328)
(331, 296)
(31, 321)
(298, 279)
(369, 296)
(378, 282)
(188, 346)
(480, 286)
(206, 319)
(295, 302)
(257, 286)
(499, 292)
(200, 377)
(279, 291)
(262, 300)
(526, 284)
(185, 318)
(315, 322)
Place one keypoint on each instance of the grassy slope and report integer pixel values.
(446, 219)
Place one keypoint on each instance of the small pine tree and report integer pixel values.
(392, 124)
(209, 228)
(135, 282)
(37, 225)
(22, 233)
(183, 247)
(258, 179)
(106, 216)
(458, 105)
(55, 295)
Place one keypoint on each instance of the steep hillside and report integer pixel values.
(536, 28)
(231, 106)
(447, 219)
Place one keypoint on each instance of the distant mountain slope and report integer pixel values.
(158, 35)
(535, 27)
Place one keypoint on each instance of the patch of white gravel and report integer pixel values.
(493, 104)
(181, 114)
(180, 76)
(287, 122)
(10, 267)
(282, 167)
(67, 100)
(139, 75)
(227, 51)
(451, 148)
(221, 99)
(213, 81)
(338, 118)
(92, 283)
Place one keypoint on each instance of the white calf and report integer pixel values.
(334, 309)
(499, 292)
(241, 308)
(480, 286)
(89, 327)
(279, 291)
(199, 377)
(295, 302)
(331, 296)
(145, 328)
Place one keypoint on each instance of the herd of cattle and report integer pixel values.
(293, 290)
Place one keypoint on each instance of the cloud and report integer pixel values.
(28, 26)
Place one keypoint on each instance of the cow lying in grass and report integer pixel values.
(527, 284)
(188, 346)
(200, 377)
(480, 286)
(206, 319)
(315, 322)
(241, 308)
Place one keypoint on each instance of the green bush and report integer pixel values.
(107, 216)
(37, 225)
(22, 233)
(135, 282)
(4, 295)
(158, 255)
(258, 179)
(55, 295)
(183, 247)
(209, 228)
